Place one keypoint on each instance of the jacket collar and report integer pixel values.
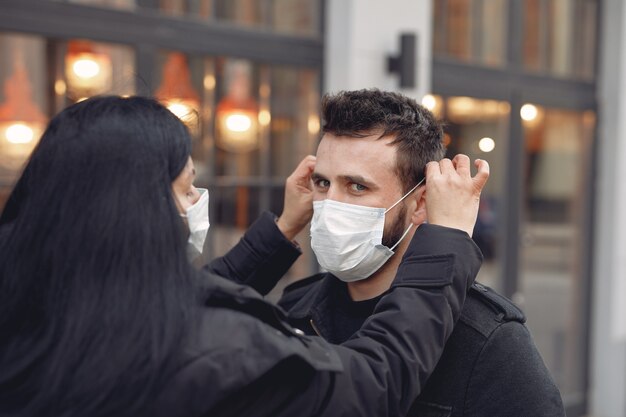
(315, 304)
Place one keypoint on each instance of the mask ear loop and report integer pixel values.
(404, 196)
(410, 225)
(402, 238)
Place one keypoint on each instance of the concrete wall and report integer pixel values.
(360, 34)
(608, 362)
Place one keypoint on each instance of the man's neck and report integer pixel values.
(377, 283)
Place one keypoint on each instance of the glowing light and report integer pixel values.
(238, 122)
(86, 68)
(264, 118)
(528, 112)
(179, 109)
(209, 82)
(60, 87)
(486, 144)
(429, 102)
(19, 133)
(313, 124)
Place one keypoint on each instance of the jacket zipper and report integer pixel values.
(315, 328)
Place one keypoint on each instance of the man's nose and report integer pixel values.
(334, 193)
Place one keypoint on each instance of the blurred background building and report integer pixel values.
(535, 87)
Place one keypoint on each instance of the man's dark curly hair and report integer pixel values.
(417, 134)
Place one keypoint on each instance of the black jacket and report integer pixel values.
(247, 360)
(489, 367)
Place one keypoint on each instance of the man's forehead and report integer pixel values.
(367, 147)
(368, 157)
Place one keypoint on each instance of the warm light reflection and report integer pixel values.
(177, 92)
(528, 112)
(181, 110)
(86, 68)
(265, 117)
(21, 120)
(314, 124)
(238, 122)
(238, 118)
(429, 102)
(60, 87)
(486, 144)
(209, 82)
(19, 133)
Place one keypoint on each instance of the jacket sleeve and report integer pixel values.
(511, 355)
(386, 363)
(260, 258)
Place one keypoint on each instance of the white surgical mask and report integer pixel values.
(347, 238)
(198, 222)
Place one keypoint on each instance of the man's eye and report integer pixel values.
(322, 183)
(357, 187)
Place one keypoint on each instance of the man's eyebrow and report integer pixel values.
(359, 179)
(315, 176)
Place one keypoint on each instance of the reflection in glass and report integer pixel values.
(237, 114)
(293, 17)
(558, 152)
(201, 8)
(93, 68)
(559, 37)
(177, 92)
(296, 17)
(22, 103)
(280, 105)
(87, 70)
(117, 4)
(479, 129)
(471, 30)
(295, 120)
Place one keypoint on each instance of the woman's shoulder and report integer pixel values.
(236, 340)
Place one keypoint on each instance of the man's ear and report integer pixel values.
(419, 214)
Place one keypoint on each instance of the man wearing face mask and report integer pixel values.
(369, 202)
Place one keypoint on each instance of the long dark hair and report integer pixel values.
(95, 288)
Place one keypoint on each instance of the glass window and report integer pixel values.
(558, 157)
(240, 126)
(80, 69)
(296, 17)
(251, 125)
(92, 68)
(292, 17)
(116, 4)
(560, 37)
(471, 30)
(295, 124)
(23, 103)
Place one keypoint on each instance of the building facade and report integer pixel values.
(532, 86)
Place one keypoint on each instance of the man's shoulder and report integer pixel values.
(485, 310)
(300, 292)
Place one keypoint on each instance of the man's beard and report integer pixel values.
(396, 230)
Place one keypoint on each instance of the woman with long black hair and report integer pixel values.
(101, 313)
